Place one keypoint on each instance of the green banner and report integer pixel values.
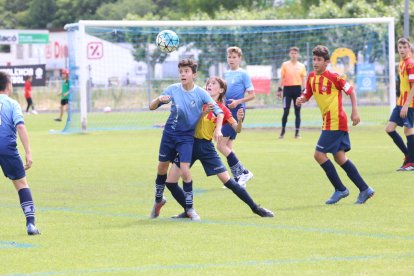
(33, 38)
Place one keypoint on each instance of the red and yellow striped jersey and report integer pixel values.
(406, 72)
(206, 125)
(327, 89)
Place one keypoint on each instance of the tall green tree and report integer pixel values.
(41, 13)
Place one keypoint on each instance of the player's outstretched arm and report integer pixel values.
(24, 138)
(239, 124)
(219, 124)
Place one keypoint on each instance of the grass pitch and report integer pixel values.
(94, 192)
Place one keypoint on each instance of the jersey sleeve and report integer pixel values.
(228, 117)
(207, 99)
(17, 114)
(308, 91)
(410, 71)
(303, 71)
(247, 81)
(343, 85)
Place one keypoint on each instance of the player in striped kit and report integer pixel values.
(403, 113)
(327, 88)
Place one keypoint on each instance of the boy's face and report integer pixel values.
(293, 55)
(319, 64)
(213, 88)
(186, 75)
(404, 50)
(233, 60)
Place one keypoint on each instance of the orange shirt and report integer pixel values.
(406, 72)
(206, 125)
(327, 89)
(292, 74)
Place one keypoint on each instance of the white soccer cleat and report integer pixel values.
(191, 213)
(244, 178)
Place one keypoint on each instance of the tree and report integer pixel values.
(41, 14)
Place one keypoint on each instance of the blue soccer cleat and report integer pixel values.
(32, 230)
(337, 196)
(365, 195)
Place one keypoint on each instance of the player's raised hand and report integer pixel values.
(164, 99)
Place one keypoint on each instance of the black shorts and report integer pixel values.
(64, 102)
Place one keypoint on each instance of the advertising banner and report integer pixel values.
(18, 74)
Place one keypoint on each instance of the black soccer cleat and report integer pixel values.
(263, 212)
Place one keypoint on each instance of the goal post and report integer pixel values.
(115, 65)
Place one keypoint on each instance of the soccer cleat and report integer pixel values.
(34, 112)
(191, 213)
(337, 196)
(263, 212)
(155, 212)
(58, 120)
(244, 178)
(407, 167)
(182, 215)
(365, 195)
(281, 136)
(298, 137)
(32, 230)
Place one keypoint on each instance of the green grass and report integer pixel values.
(93, 194)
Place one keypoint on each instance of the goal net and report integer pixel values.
(116, 68)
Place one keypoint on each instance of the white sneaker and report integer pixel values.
(244, 178)
(34, 112)
(156, 209)
(191, 213)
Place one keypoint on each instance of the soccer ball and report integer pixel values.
(167, 41)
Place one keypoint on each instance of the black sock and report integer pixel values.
(282, 132)
(159, 187)
(241, 193)
(410, 146)
(188, 193)
(333, 176)
(398, 141)
(177, 193)
(297, 132)
(354, 175)
(26, 202)
(236, 167)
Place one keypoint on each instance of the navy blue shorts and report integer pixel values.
(205, 151)
(12, 166)
(407, 121)
(227, 129)
(332, 141)
(172, 145)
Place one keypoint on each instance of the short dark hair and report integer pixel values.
(4, 80)
(223, 85)
(188, 62)
(321, 51)
(404, 41)
(294, 48)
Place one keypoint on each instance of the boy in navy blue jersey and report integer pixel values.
(11, 122)
(178, 136)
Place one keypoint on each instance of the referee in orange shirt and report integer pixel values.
(292, 81)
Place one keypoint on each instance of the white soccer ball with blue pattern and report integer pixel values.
(167, 41)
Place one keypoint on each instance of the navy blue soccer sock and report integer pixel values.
(410, 145)
(241, 193)
(333, 176)
(354, 175)
(159, 187)
(235, 165)
(188, 193)
(26, 202)
(177, 193)
(399, 142)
